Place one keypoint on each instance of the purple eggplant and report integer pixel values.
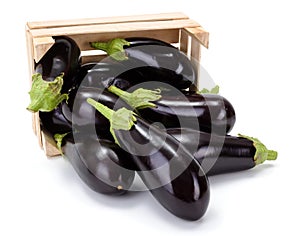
(170, 172)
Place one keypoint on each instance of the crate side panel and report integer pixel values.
(184, 41)
(35, 116)
(40, 46)
(106, 20)
(113, 28)
(29, 44)
(49, 146)
(199, 34)
(93, 58)
(196, 58)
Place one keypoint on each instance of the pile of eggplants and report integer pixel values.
(134, 113)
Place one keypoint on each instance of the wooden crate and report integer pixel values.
(175, 28)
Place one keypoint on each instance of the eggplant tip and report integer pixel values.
(272, 155)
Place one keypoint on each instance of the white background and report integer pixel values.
(253, 56)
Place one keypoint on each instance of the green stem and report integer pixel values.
(59, 140)
(272, 155)
(138, 99)
(262, 153)
(114, 48)
(122, 119)
(99, 45)
(120, 93)
(45, 95)
(104, 110)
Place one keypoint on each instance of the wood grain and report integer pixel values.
(200, 34)
(112, 28)
(195, 58)
(49, 146)
(41, 46)
(107, 20)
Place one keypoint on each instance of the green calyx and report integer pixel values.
(59, 140)
(45, 95)
(262, 153)
(114, 48)
(122, 119)
(139, 98)
(214, 90)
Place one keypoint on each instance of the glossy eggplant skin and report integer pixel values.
(161, 63)
(83, 116)
(172, 175)
(205, 112)
(155, 60)
(54, 122)
(99, 163)
(62, 57)
(104, 74)
(217, 154)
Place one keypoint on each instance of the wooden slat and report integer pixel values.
(37, 124)
(195, 59)
(49, 146)
(112, 28)
(41, 46)
(29, 43)
(183, 41)
(200, 34)
(35, 116)
(93, 58)
(195, 51)
(106, 20)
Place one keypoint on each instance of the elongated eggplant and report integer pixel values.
(82, 116)
(104, 74)
(54, 122)
(170, 172)
(223, 154)
(152, 59)
(207, 112)
(99, 163)
(62, 57)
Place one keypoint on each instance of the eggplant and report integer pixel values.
(223, 154)
(83, 117)
(63, 57)
(54, 122)
(99, 163)
(205, 112)
(154, 60)
(104, 74)
(170, 172)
